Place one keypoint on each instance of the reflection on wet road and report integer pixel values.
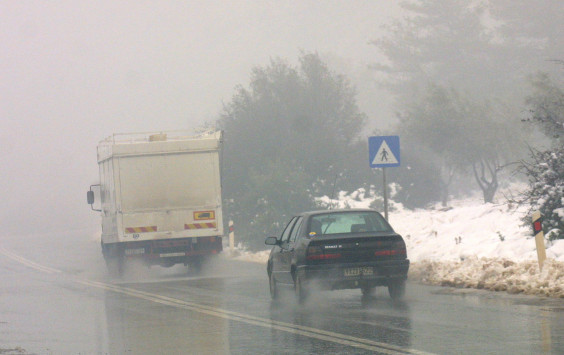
(55, 304)
(214, 305)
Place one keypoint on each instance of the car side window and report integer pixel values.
(288, 229)
(296, 230)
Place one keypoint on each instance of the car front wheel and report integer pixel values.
(273, 287)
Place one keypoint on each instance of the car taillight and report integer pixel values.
(390, 252)
(398, 248)
(316, 253)
(324, 256)
(314, 250)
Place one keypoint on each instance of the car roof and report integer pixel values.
(318, 212)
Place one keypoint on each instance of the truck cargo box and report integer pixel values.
(160, 196)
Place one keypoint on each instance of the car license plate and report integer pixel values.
(357, 271)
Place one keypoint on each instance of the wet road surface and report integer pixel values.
(60, 301)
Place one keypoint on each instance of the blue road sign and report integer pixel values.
(384, 151)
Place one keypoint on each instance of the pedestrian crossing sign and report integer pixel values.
(384, 151)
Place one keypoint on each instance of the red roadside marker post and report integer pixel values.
(539, 238)
(231, 236)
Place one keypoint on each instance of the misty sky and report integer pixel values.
(74, 72)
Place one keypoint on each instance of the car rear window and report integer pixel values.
(348, 222)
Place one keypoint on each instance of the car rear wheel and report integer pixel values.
(273, 287)
(301, 289)
(396, 289)
(367, 291)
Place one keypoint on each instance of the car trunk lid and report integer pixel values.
(351, 249)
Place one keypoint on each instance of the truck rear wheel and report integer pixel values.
(115, 260)
(115, 266)
(195, 265)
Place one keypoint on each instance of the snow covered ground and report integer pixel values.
(471, 244)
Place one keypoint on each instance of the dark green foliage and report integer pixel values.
(286, 138)
(545, 169)
(454, 134)
(546, 189)
(441, 42)
(444, 65)
(547, 107)
(418, 177)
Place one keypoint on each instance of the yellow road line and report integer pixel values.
(320, 334)
(310, 332)
(27, 262)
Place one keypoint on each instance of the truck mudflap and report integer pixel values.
(168, 252)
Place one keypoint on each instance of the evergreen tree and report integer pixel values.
(444, 66)
(545, 170)
(286, 138)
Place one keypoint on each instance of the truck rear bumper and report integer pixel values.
(167, 252)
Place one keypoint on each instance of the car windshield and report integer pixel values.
(348, 222)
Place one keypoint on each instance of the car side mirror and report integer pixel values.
(271, 241)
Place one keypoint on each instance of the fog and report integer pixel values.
(74, 73)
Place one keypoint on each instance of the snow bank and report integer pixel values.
(240, 253)
(477, 245)
(493, 274)
(464, 230)
(470, 244)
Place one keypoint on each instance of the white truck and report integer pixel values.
(160, 198)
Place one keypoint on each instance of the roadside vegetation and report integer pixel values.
(477, 91)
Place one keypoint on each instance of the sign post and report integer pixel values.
(385, 194)
(384, 152)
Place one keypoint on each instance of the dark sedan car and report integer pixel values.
(338, 249)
